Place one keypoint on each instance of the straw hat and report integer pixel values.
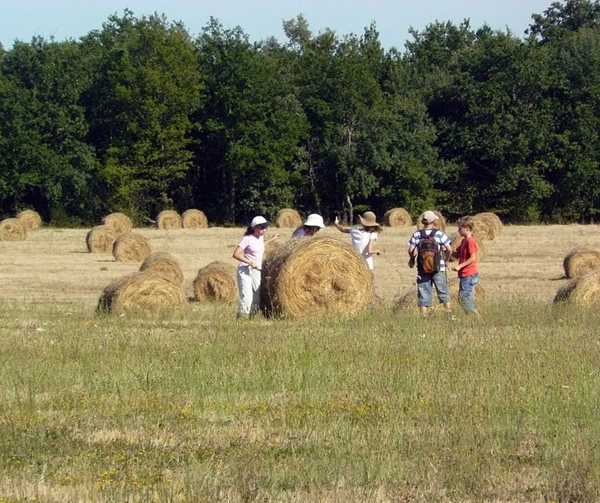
(368, 219)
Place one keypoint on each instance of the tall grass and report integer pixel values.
(382, 407)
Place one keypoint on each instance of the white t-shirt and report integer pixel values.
(360, 240)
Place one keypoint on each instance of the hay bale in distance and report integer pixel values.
(493, 220)
(165, 265)
(168, 220)
(194, 219)
(288, 218)
(315, 277)
(131, 247)
(439, 223)
(144, 291)
(30, 219)
(583, 290)
(581, 260)
(216, 282)
(485, 228)
(12, 229)
(101, 239)
(456, 239)
(120, 222)
(397, 217)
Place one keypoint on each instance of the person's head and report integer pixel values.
(428, 218)
(466, 225)
(314, 223)
(257, 227)
(369, 222)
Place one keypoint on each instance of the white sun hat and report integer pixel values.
(258, 221)
(314, 220)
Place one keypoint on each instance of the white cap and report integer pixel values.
(429, 217)
(314, 220)
(258, 221)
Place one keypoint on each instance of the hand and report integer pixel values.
(454, 268)
(411, 262)
(276, 236)
(378, 252)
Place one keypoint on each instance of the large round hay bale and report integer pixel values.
(397, 217)
(101, 239)
(216, 282)
(144, 291)
(168, 220)
(485, 228)
(120, 222)
(439, 223)
(131, 247)
(194, 219)
(30, 219)
(288, 218)
(493, 220)
(12, 229)
(456, 239)
(581, 260)
(165, 265)
(409, 298)
(315, 277)
(583, 290)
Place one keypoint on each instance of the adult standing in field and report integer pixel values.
(249, 252)
(314, 223)
(468, 273)
(426, 248)
(363, 238)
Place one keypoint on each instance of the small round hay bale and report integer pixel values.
(144, 291)
(194, 219)
(581, 260)
(131, 247)
(397, 217)
(493, 220)
(119, 222)
(101, 239)
(315, 277)
(216, 282)
(456, 239)
(164, 264)
(168, 220)
(409, 298)
(12, 229)
(288, 218)
(583, 290)
(485, 229)
(30, 219)
(439, 223)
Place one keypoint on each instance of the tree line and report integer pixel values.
(138, 117)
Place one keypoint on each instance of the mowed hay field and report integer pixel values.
(194, 406)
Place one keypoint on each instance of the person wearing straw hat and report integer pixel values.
(314, 223)
(363, 238)
(249, 252)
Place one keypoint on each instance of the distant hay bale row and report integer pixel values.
(30, 219)
(168, 220)
(216, 282)
(288, 218)
(583, 290)
(409, 298)
(101, 239)
(131, 247)
(439, 223)
(12, 229)
(191, 219)
(315, 277)
(397, 217)
(120, 222)
(456, 239)
(581, 260)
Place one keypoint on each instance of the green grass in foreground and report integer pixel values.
(383, 407)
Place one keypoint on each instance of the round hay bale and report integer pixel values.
(131, 247)
(315, 277)
(581, 260)
(12, 229)
(101, 239)
(288, 218)
(485, 229)
(164, 264)
(583, 290)
(194, 219)
(397, 217)
(493, 220)
(144, 291)
(119, 222)
(456, 239)
(216, 282)
(409, 298)
(439, 223)
(168, 220)
(30, 219)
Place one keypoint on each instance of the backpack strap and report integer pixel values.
(424, 234)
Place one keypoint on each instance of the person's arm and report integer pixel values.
(470, 260)
(270, 240)
(238, 254)
(371, 249)
(411, 256)
(336, 222)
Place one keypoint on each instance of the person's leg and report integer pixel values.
(255, 277)
(466, 293)
(424, 293)
(245, 292)
(439, 280)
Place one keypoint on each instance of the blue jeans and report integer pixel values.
(466, 292)
(424, 282)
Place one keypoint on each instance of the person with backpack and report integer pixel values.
(427, 248)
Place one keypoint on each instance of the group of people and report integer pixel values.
(428, 248)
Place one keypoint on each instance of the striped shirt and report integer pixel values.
(440, 238)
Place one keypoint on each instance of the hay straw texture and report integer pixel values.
(168, 220)
(288, 218)
(314, 277)
(165, 265)
(409, 298)
(485, 228)
(216, 282)
(12, 229)
(580, 261)
(131, 247)
(145, 291)
(30, 219)
(456, 239)
(439, 223)
(271, 247)
(194, 219)
(397, 217)
(101, 239)
(120, 222)
(584, 290)
(493, 220)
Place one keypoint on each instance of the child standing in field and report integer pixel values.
(363, 238)
(468, 273)
(314, 223)
(249, 252)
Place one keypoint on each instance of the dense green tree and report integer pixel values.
(564, 17)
